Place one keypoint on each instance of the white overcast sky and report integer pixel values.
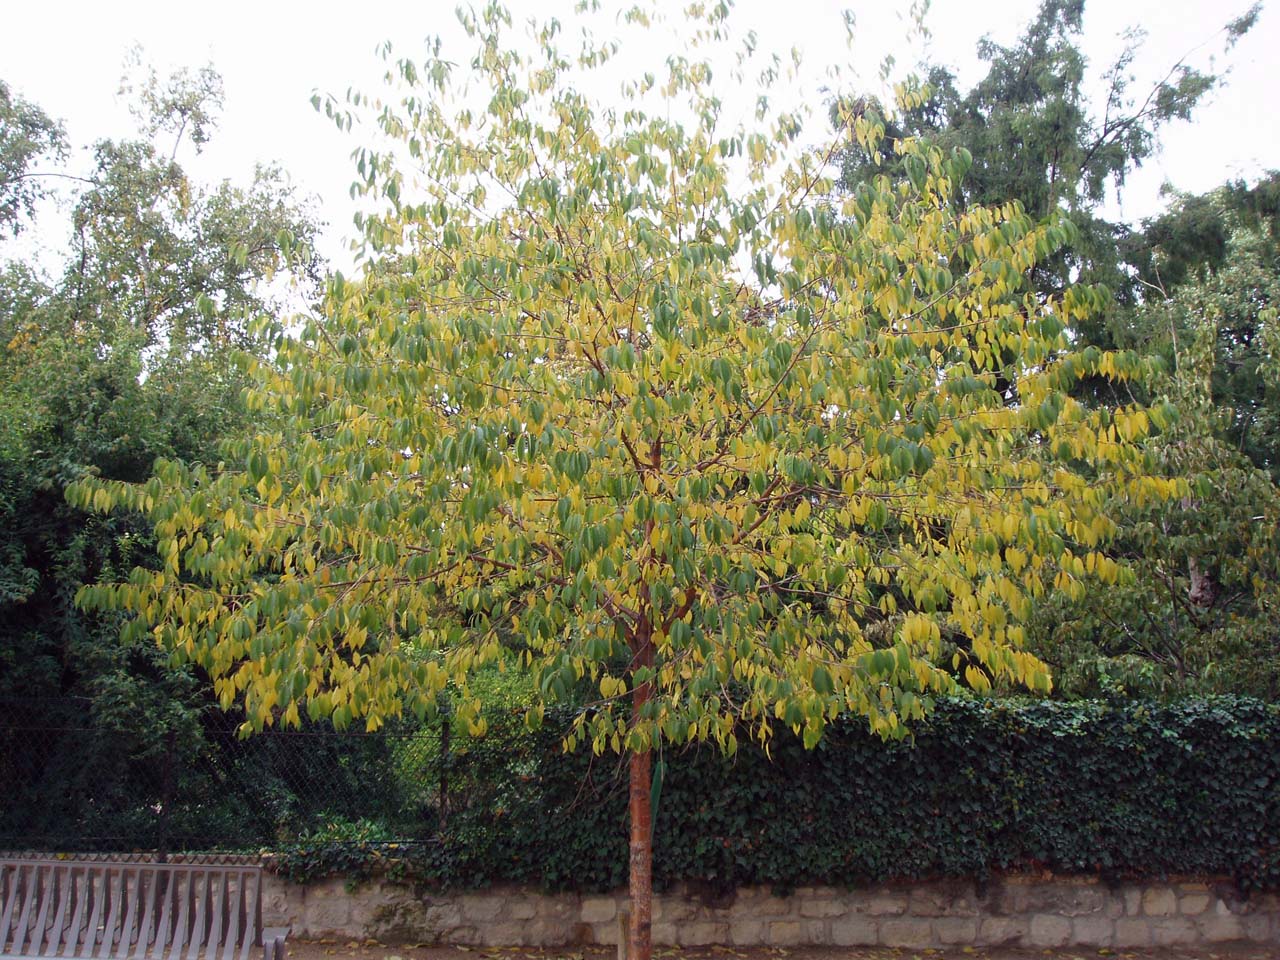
(68, 58)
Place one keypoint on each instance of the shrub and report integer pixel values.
(1122, 790)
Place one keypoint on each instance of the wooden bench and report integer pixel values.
(133, 911)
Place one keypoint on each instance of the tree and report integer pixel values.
(1212, 265)
(732, 455)
(1202, 615)
(125, 355)
(26, 132)
(1035, 136)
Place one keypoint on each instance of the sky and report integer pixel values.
(273, 55)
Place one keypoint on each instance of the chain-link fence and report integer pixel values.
(74, 780)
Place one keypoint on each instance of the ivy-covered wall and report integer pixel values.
(1123, 790)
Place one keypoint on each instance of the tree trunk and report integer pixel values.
(639, 941)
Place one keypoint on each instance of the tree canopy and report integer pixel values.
(1037, 136)
(121, 354)
(648, 396)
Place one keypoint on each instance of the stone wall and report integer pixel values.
(1009, 911)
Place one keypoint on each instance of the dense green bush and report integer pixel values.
(1119, 789)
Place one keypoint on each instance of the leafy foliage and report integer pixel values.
(26, 132)
(118, 774)
(571, 418)
(1201, 614)
(1036, 137)
(125, 357)
(978, 791)
(1194, 293)
(734, 457)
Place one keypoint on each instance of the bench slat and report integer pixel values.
(136, 893)
(235, 911)
(200, 891)
(59, 928)
(31, 894)
(96, 883)
(218, 894)
(182, 930)
(47, 884)
(111, 908)
(165, 932)
(80, 880)
(9, 892)
(253, 914)
(150, 881)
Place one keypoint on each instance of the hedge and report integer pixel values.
(1121, 790)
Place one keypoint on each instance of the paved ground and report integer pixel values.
(372, 950)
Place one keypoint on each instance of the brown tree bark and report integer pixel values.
(639, 938)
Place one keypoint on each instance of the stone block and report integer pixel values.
(702, 933)
(606, 932)
(1011, 898)
(956, 930)
(563, 908)
(1220, 928)
(1132, 932)
(466, 935)
(1078, 900)
(598, 909)
(520, 909)
(824, 907)
(552, 932)
(772, 907)
(1258, 927)
(324, 917)
(277, 906)
(786, 933)
(480, 907)
(1093, 931)
(673, 908)
(886, 904)
(328, 890)
(1193, 904)
(442, 914)
(502, 934)
(855, 932)
(664, 934)
(1159, 902)
(928, 902)
(1132, 901)
(1002, 931)
(747, 933)
(907, 932)
(1048, 930)
(1223, 907)
(1172, 932)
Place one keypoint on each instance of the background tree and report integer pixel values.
(1198, 619)
(557, 407)
(26, 133)
(1202, 614)
(1035, 136)
(125, 355)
